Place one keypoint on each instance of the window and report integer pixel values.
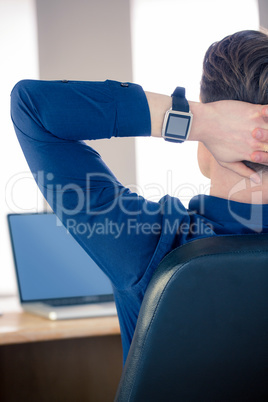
(170, 38)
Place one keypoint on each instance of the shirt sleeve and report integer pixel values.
(117, 228)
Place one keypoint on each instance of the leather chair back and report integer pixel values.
(202, 331)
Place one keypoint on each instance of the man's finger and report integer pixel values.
(260, 157)
(264, 112)
(260, 134)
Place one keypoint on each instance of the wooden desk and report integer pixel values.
(71, 360)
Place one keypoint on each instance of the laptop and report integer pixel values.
(56, 278)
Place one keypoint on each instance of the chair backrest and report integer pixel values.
(202, 331)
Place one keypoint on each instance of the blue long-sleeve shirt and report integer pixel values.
(125, 234)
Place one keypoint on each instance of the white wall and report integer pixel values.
(263, 12)
(19, 60)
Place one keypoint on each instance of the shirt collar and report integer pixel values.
(219, 209)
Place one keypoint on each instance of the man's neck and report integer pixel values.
(235, 188)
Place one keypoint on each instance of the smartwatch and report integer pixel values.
(178, 120)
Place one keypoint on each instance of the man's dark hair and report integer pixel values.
(237, 68)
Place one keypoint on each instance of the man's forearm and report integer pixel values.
(159, 104)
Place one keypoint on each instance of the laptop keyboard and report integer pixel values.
(75, 301)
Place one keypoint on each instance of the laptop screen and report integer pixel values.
(50, 264)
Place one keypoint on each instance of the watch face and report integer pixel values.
(177, 126)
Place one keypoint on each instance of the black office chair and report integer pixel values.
(202, 332)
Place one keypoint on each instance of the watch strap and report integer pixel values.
(179, 102)
(180, 107)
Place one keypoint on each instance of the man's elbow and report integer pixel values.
(21, 105)
(24, 109)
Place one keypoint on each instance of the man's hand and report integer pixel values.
(232, 131)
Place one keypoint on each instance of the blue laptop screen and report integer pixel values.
(50, 263)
